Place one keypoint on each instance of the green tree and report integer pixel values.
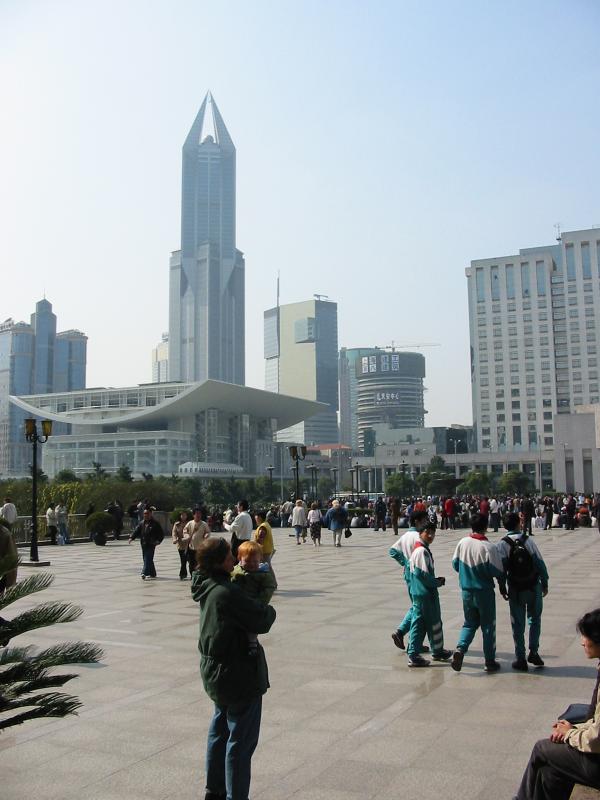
(399, 485)
(99, 473)
(515, 482)
(124, 474)
(66, 476)
(475, 482)
(216, 493)
(26, 677)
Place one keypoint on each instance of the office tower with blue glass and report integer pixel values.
(301, 359)
(34, 359)
(206, 288)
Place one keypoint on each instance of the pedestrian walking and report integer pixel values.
(478, 564)
(527, 577)
(150, 534)
(401, 552)
(426, 611)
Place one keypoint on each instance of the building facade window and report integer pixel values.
(525, 287)
(570, 258)
(480, 286)
(586, 263)
(510, 281)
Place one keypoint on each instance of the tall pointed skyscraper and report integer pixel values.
(206, 289)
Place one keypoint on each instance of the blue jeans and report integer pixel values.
(232, 739)
(148, 556)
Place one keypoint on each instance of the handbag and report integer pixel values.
(347, 533)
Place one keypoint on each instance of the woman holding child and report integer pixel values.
(235, 676)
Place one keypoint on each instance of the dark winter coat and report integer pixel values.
(231, 675)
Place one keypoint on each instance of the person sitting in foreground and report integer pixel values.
(572, 752)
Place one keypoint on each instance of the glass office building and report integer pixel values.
(300, 348)
(206, 288)
(34, 358)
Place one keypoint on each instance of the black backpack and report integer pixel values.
(521, 570)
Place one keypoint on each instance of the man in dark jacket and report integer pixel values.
(234, 677)
(150, 534)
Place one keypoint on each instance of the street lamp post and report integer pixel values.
(313, 481)
(32, 435)
(334, 470)
(297, 454)
(356, 469)
(270, 471)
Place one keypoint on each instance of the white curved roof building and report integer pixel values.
(156, 428)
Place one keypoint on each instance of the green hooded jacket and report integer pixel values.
(231, 675)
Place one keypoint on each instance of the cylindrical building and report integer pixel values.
(390, 391)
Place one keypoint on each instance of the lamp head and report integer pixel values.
(46, 427)
(30, 429)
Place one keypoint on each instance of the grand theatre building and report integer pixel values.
(214, 428)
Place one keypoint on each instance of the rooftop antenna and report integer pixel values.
(321, 296)
(557, 229)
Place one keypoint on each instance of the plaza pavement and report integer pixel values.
(345, 718)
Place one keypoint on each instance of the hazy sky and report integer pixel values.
(380, 147)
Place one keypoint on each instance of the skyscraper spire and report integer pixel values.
(209, 122)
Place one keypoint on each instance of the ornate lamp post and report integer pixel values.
(270, 469)
(32, 435)
(297, 454)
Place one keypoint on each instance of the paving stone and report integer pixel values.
(344, 714)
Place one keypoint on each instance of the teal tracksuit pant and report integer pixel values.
(426, 619)
(404, 626)
(528, 605)
(479, 607)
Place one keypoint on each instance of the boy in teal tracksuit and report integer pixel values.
(401, 552)
(477, 563)
(525, 594)
(426, 612)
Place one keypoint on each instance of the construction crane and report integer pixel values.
(393, 346)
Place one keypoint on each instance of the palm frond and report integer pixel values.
(9, 655)
(42, 616)
(45, 705)
(45, 681)
(69, 653)
(31, 584)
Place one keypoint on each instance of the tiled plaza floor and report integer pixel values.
(345, 718)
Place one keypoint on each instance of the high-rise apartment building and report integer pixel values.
(535, 330)
(349, 392)
(301, 355)
(34, 358)
(206, 291)
(160, 360)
